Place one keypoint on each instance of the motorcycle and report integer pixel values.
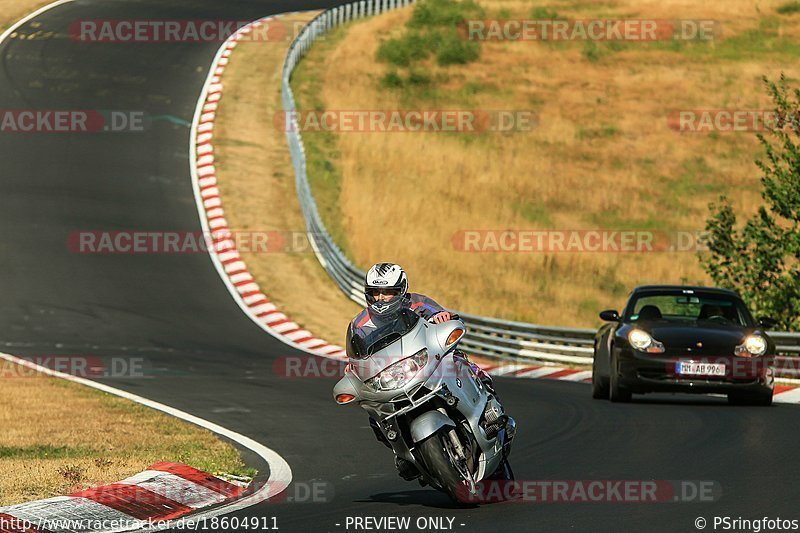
(429, 404)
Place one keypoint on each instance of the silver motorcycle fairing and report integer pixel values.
(429, 423)
(349, 384)
(442, 375)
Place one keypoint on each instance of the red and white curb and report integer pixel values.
(165, 491)
(226, 257)
(156, 479)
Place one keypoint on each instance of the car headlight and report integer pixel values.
(399, 374)
(642, 341)
(752, 345)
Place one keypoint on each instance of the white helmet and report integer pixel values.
(386, 276)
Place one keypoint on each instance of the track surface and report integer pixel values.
(204, 356)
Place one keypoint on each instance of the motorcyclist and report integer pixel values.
(386, 293)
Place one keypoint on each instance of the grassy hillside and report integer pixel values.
(601, 156)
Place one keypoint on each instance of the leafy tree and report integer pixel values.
(762, 259)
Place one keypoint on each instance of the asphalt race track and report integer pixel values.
(203, 355)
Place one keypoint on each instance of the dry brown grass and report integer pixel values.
(256, 181)
(601, 157)
(59, 437)
(13, 10)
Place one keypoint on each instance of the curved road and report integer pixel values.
(203, 355)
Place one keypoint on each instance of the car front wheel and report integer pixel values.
(616, 392)
(599, 384)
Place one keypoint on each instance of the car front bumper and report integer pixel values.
(643, 372)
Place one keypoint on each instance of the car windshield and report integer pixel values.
(685, 306)
(361, 347)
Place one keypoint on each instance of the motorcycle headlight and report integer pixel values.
(399, 374)
(752, 345)
(642, 341)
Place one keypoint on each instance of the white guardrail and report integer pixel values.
(488, 337)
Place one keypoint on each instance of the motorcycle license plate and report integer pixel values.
(700, 369)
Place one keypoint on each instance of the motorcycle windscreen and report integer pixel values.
(362, 345)
(403, 347)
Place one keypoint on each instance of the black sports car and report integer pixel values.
(684, 339)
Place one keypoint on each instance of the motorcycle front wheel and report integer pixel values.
(442, 465)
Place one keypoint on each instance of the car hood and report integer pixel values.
(697, 338)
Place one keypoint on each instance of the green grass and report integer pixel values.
(789, 8)
(437, 13)
(762, 42)
(43, 451)
(544, 13)
(534, 212)
(603, 132)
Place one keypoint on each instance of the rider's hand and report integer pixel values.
(440, 318)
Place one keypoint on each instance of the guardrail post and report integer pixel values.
(370, 8)
(362, 9)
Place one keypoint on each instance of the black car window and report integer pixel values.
(681, 307)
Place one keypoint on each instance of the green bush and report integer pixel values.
(761, 259)
(544, 13)
(432, 29)
(404, 50)
(453, 50)
(437, 13)
(392, 80)
(591, 52)
(789, 7)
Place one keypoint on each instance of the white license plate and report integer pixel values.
(700, 369)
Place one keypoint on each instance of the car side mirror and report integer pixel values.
(609, 315)
(767, 322)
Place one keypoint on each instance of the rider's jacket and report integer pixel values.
(367, 321)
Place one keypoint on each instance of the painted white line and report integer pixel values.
(280, 473)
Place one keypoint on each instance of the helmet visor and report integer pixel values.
(384, 293)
